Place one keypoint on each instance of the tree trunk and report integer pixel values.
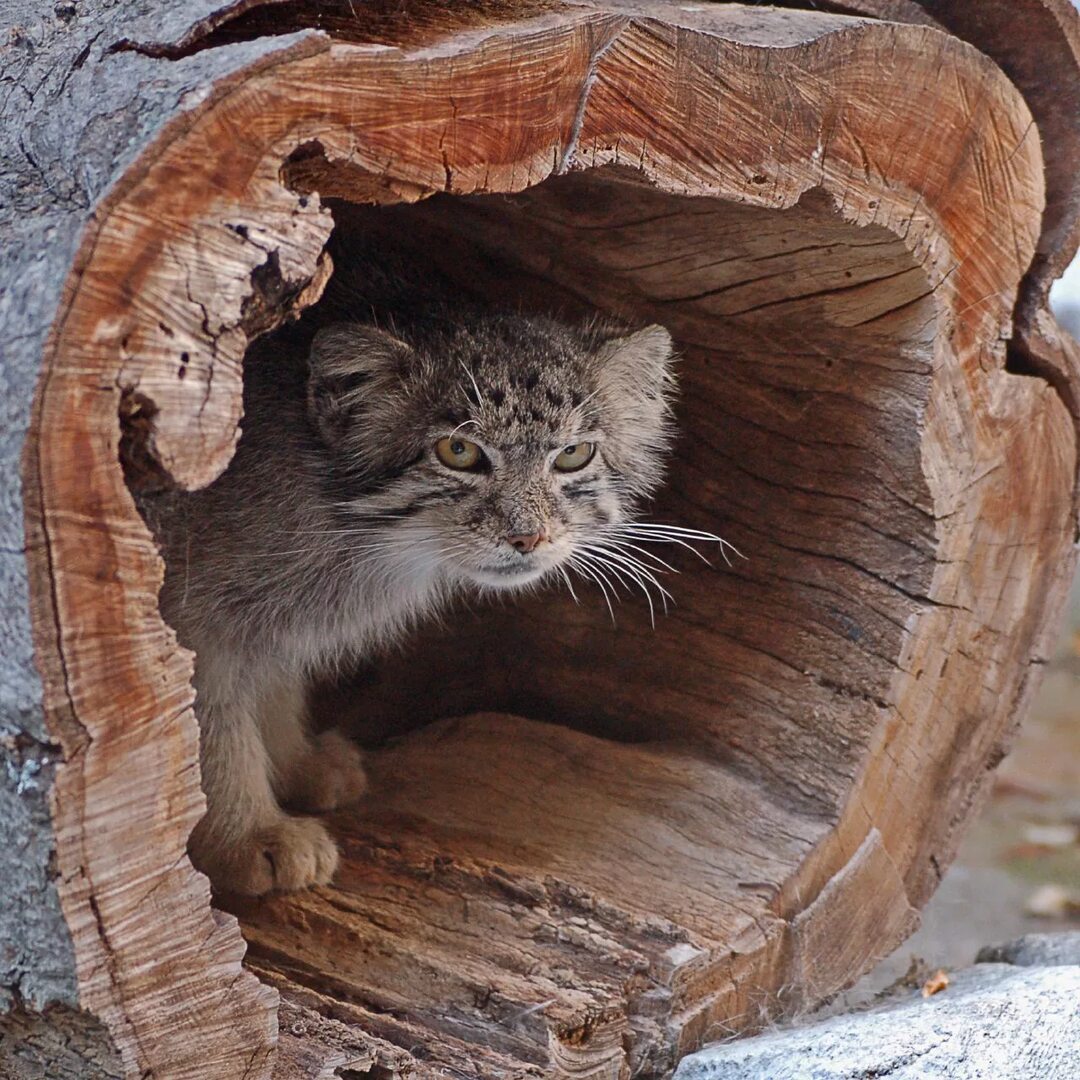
(587, 859)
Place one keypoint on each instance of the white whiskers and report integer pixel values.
(613, 555)
(575, 561)
(648, 532)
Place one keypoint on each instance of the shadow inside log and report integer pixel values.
(805, 366)
(576, 809)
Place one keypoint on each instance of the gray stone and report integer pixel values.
(994, 1022)
(1035, 950)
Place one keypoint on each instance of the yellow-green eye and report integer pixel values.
(575, 457)
(457, 453)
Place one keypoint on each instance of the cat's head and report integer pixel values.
(494, 449)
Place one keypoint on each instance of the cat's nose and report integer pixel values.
(525, 544)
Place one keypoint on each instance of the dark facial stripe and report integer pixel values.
(429, 498)
(345, 485)
(576, 486)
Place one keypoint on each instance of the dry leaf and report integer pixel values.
(1021, 785)
(936, 983)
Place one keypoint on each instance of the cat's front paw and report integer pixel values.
(293, 853)
(330, 775)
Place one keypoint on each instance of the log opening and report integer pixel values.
(785, 431)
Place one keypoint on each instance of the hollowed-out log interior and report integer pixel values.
(802, 381)
(667, 779)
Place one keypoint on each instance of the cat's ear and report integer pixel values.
(634, 383)
(637, 367)
(345, 360)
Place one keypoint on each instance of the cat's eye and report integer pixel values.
(574, 457)
(456, 453)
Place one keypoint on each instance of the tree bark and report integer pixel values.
(587, 861)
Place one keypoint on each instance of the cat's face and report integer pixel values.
(492, 453)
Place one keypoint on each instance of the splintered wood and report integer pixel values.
(599, 845)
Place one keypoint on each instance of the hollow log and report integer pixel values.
(603, 843)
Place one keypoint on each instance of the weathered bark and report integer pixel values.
(731, 816)
(56, 1044)
(1032, 41)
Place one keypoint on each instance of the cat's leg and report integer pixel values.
(309, 772)
(246, 843)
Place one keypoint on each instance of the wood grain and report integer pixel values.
(602, 844)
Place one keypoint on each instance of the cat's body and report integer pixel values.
(379, 476)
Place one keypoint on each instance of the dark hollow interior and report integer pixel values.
(806, 354)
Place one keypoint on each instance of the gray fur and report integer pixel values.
(336, 529)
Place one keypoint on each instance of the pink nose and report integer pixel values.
(525, 544)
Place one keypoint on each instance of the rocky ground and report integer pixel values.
(1014, 1015)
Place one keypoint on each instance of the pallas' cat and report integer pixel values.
(413, 451)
